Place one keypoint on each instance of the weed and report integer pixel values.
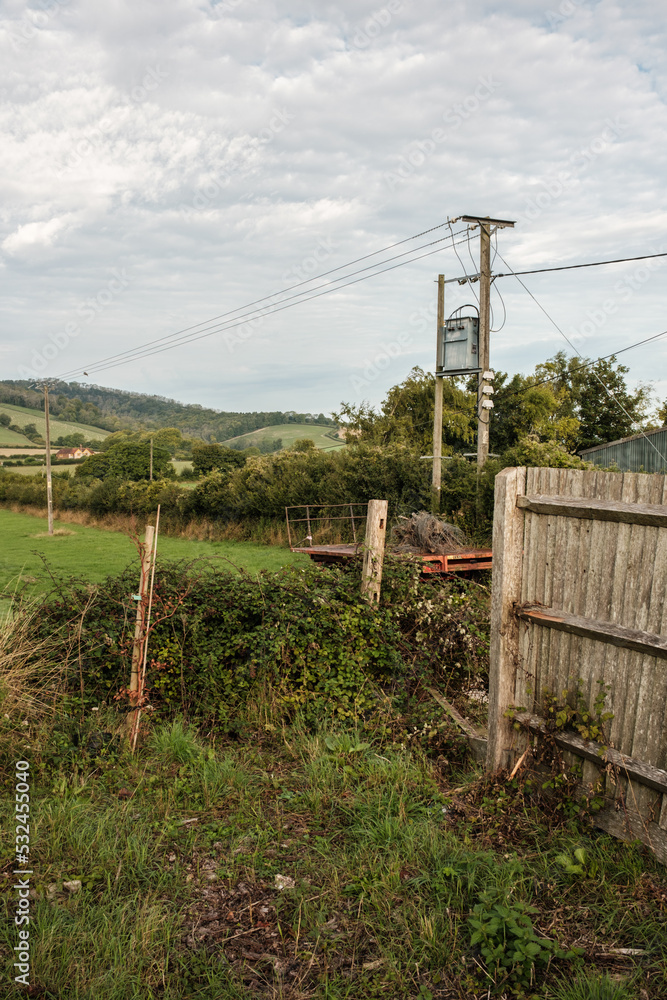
(509, 946)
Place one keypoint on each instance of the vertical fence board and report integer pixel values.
(507, 568)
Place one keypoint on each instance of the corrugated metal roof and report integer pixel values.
(645, 452)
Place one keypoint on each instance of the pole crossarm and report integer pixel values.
(484, 220)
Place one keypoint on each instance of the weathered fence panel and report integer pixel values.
(579, 598)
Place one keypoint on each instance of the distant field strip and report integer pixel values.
(22, 415)
(289, 433)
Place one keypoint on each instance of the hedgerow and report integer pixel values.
(306, 633)
(266, 484)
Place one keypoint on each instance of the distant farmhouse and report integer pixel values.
(74, 453)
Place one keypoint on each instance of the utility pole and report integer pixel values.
(150, 475)
(437, 414)
(486, 227)
(49, 485)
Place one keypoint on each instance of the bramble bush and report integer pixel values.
(304, 632)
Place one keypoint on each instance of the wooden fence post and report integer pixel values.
(508, 520)
(376, 530)
(139, 628)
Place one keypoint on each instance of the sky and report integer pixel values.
(165, 164)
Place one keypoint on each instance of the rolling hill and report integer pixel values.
(117, 409)
(22, 415)
(288, 434)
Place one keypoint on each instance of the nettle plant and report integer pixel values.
(503, 933)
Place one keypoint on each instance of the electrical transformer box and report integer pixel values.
(458, 346)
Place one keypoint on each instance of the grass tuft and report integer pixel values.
(176, 743)
(587, 986)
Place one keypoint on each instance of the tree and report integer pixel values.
(167, 437)
(303, 444)
(597, 396)
(95, 466)
(207, 457)
(406, 415)
(5, 420)
(525, 409)
(70, 440)
(128, 460)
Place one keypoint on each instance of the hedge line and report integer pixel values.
(266, 484)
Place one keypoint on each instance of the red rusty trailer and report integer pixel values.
(354, 518)
(465, 561)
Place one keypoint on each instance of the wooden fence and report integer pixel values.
(579, 597)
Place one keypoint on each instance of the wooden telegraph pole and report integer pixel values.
(437, 413)
(484, 388)
(49, 483)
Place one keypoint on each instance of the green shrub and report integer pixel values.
(504, 934)
(306, 633)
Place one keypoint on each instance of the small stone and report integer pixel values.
(74, 886)
(284, 882)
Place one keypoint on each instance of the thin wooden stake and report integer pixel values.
(142, 677)
(49, 481)
(139, 628)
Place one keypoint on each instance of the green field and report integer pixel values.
(35, 470)
(289, 433)
(9, 439)
(181, 463)
(22, 415)
(95, 554)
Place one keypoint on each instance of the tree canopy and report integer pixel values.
(566, 405)
(128, 460)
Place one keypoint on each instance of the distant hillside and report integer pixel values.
(288, 434)
(21, 416)
(116, 409)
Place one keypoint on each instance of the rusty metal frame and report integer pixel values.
(309, 518)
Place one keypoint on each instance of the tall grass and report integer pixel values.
(31, 675)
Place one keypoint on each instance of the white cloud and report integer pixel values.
(209, 150)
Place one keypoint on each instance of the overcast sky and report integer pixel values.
(165, 163)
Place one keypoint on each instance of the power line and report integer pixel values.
(197, 333)
(213, 325)
(572, 267)
(566, 376)
(587, 364)
(143, 351)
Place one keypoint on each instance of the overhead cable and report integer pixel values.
(238, 318)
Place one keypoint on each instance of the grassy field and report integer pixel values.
(22, 415)
(181, 463)
(31, 470)
(273, 861)
(10, 438)
(95, 554)
(289, 433)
